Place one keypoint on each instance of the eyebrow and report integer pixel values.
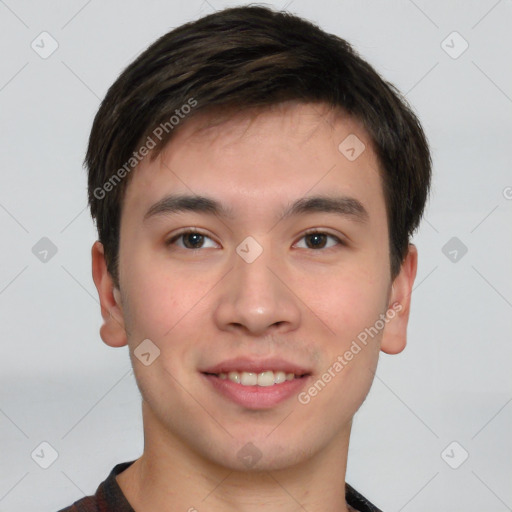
(341, 205)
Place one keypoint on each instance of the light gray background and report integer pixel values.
(60, 384)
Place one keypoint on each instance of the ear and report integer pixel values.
(394, 337)
(112, 331)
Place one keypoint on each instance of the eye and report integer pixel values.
(196, 240)
(190, 240)
(319, 240)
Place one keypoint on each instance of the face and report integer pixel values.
(258, 278)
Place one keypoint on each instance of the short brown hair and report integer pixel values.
(241, 58)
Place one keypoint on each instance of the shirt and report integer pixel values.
(110, 498)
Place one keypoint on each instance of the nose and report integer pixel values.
(257, 298)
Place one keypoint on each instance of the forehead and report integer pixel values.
(298, 120)
(264, 154)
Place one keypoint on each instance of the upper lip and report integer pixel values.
(245, 364)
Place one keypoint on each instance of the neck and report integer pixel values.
(169, 476)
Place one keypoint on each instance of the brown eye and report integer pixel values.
(319, 240)
(190, 240)
(193, 240)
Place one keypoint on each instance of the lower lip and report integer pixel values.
(257, 397)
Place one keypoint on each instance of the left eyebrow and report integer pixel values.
(341, 205)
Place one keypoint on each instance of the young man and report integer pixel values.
(255, 184)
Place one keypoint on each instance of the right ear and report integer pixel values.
(112, 331)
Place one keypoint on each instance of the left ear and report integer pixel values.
(394, 337)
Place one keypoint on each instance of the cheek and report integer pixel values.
(348, 301)
(160, 297)
(351, 351)
(166, 308)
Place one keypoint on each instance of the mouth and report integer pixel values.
(254, 384)
(265, 378)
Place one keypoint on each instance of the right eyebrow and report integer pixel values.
(193, 203)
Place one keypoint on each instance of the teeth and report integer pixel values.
(279, 377)
(234, 377)
(248, 379)
(266, 378)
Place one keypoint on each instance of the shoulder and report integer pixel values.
(108, 496)
(87, 504)
(358, 501)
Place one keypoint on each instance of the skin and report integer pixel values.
(203, 306)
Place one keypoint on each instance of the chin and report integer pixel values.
(253, 456)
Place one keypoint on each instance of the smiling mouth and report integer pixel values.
(264, 379)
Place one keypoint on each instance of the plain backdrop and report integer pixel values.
(445, 398)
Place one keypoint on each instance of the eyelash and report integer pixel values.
(339, 241)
